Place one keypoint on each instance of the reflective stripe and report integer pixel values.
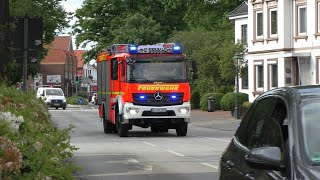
(110, 92)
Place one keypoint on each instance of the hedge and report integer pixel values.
(74, 100)
(204, 100)
(195, 100)
(228, 100)
(31, 146)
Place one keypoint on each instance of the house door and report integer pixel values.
(295, 71)
(304, 65)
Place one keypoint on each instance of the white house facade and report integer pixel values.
(89, 77)
(283, 44)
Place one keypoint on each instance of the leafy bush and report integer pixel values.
(228, 100)
(244, 108)
(83, 94)
(195, 100)
(38, 149)
(74, 100)
(204, 100)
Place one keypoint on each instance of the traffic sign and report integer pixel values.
(80, 101)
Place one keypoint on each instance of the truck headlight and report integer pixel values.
(132, 110)
(64, 100)
(184, 110)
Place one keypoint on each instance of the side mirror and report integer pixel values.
(267, 158)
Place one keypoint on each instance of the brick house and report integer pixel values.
(59, 67)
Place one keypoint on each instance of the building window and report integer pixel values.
(302, 20)
(273, 75)
(259, 77)
(259, 24)
(273, 22)
(244, 78)
(244, 29)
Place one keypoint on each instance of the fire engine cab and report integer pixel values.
(145, 86)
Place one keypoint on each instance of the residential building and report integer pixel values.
(283, 43)
(59, 67)
(79, 54)
(89, 78)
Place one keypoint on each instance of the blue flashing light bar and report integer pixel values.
(161, 48)
(133, 49)
(142, 97)
(173, 97)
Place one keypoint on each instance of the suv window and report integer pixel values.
(250, 131)
(275, 132)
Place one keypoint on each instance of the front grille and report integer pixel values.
(56, 101)
(149, 99)
(167, 113)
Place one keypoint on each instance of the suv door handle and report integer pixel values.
(249, 176)
(230, 164)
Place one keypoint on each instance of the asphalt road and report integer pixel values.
(145, 155)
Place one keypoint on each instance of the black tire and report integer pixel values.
(64, 108)
(107, 126)
(57, 108)
(123, 129)
(182, 129)
(154, 129)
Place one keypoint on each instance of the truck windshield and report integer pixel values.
(157, 70)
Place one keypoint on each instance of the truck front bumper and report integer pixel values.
(132, 111)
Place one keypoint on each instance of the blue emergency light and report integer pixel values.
(142, 97)
(177, 49)
(133, 49)
(173, 97)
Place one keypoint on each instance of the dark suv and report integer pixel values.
(278, 138)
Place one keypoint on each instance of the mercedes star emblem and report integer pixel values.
(158, 96)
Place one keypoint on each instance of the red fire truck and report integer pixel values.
(145, 86)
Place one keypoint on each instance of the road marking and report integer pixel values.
(217, 139)
(175, 153)
(210, 165)
(149, 144)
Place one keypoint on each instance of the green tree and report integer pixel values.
(136, 29)
(54, 16)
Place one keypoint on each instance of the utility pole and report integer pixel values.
(25, 53)
(4, 16)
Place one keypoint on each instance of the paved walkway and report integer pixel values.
(218, 119)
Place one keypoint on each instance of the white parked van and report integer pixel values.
(54, 97)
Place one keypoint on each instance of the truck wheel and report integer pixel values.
(182, 129)
(107, 126)
(123, 129)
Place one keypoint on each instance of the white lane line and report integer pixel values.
(217, 139)
(175, 153)
(149, 144)
(210, 165)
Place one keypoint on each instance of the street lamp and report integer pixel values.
(237, 57)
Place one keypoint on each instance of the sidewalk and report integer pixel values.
(218, 119)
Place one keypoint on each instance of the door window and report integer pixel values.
(250, 131)
(276, 131)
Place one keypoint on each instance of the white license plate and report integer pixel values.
(158, 110)
(56, 104)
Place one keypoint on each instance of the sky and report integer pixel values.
(72, 6)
